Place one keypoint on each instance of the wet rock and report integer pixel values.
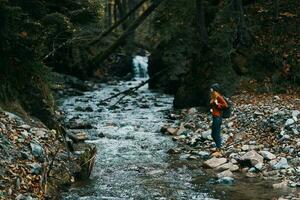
(172, 131)
(24, 197)
(281, 185)
(281, 164)
(267, 155)
(289, 122)
(184, 156)
(206, 135)
(227, 166)
(295, 113)
(192, 111)
(35, 168)
(259, 166)
(204, 154)
(251, 175)
(214, 162)
(37, 151)
(25, 155)
(226, 173)
(252, 158)
(245, 147)
(173, 151)
(79, 124)
(25, 126)
(226, 181)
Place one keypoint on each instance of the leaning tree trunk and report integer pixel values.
(104, 55)
(118, 23)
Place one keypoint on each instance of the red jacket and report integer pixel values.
(221, 104)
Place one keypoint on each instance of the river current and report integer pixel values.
(132, 160)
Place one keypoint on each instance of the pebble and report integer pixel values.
(214, 162)
(226, 173)
(281, 164)
(226, 181)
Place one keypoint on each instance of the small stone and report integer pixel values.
(173, 151)
(276, 98)
(184, 156)
(37, 150)
(267, 155)
(226, 173)
(250, 175)
(192, 111)
(214, 162)
(275, 110)
(245, 147)
(259, 166)
(281, 164)
(295, 113)
(253, 157)
(226, 180)
(172, 131)
(36, 168)
(206, 135)
(25, 126)
(281, 185)
(289, 122)
(203, 154)
(295, 131)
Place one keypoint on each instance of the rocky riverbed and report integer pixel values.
(261, 141)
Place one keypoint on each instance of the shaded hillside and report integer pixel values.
(208, 41)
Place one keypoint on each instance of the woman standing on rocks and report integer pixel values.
(217, 104)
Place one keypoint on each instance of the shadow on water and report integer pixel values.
(132, 162)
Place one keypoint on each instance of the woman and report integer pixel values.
(217, 104)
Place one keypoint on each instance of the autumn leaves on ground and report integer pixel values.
(191, 45)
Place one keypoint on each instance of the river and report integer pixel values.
(132, 160)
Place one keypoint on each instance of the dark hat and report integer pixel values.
(216, 87)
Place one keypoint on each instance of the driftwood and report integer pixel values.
(132, 89)
(125, 92)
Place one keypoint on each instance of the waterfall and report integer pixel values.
(140, 66)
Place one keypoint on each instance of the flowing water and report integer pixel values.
(132, 162)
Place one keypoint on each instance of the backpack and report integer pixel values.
(226, 112)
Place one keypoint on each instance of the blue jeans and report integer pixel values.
(216, 131)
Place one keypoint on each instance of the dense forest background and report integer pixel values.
(243, 44)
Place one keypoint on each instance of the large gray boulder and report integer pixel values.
(252, 158)
(214, 162)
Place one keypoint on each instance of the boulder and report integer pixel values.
(227, 166)
(37, 151)
(214, 162)
(281, 164)
(267, 155)
(172, 131)
(281, 185)
(226, 173)
(226, 180)
(206, 135)
(252, 158)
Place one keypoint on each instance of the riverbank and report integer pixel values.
(36, 162)
(34, 159)
(261, 140)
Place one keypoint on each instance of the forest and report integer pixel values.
(53, 50)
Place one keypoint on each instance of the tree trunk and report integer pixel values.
(118, 23)
(109, 13)
(201, 22)
(104, 55)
